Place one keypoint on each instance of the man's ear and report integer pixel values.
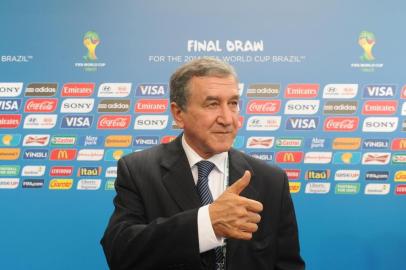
(177, 114)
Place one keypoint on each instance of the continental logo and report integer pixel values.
(347, 188)
(302, 90)
(63, 154)
(41, 89)
(114, 105)
(289, 157)
(118, 141)
(294, 187)
(263, 90)
(340, 107)
(61, 184)
(346, 143)
(89, 171)
(77, 89)
(398, 144)
(400, 176)
(317, 174)
(9, 153)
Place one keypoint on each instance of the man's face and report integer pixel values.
(210, 120)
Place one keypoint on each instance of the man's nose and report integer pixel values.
(226, 115)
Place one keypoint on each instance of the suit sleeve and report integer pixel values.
(131, 242)
(288, 254)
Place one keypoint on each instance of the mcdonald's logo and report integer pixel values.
(398, 144)
(289, 157)
(63, 154)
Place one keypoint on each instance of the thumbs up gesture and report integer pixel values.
(234, 216)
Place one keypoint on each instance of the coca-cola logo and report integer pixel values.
(263, 106)
(344, 124)
(114, 122)
(42, 105)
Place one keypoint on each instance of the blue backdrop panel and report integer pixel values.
(349, 53)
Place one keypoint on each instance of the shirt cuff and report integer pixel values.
(207, 238)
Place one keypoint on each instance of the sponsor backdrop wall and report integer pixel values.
(322, 95)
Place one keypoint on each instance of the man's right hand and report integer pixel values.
(234, 216)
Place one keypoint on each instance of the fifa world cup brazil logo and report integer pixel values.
(91, 40)
(367, 41)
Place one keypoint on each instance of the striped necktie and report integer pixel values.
(204, 168)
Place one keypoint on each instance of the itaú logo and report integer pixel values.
(63, 184)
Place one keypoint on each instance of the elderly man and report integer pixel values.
(196, 203)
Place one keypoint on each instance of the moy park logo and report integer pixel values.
(90, 60)
(367, 41)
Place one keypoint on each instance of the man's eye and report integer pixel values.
(213, 105)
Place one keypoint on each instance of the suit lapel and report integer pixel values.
(177, 176)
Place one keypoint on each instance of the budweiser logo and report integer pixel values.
(41, 105)
(263, 106)
(341, 124)
(117, 122)
(39, 140)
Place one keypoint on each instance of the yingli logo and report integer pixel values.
(263, 106)
(341, 124)
(151, 106)
(114, 122)
(381, 107)
(63, 154)
(289, 157)
(302, 90)
(40, 105)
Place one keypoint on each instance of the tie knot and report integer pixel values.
(204, 168)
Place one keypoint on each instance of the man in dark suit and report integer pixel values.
(196, 203)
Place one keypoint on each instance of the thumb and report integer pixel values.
(240, 184)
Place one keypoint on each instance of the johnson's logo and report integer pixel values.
(114, 121)
(151, 106)
(341, 124)
(77, 89)
(379, 91)
(308, 90)
(40, 105)
(156, 90)
(380, 107)
(263, 106)
(63, 154)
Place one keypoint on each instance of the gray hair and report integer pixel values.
(202, 67)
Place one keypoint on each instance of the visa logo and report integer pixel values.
(302, 123)
(146, 140)
(10, 105)
(35, 154)
(379, 91)
(152, 90)
(73, 121)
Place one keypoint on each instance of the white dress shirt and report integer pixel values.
(217, 179)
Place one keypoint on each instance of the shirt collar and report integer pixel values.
(219, 160)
